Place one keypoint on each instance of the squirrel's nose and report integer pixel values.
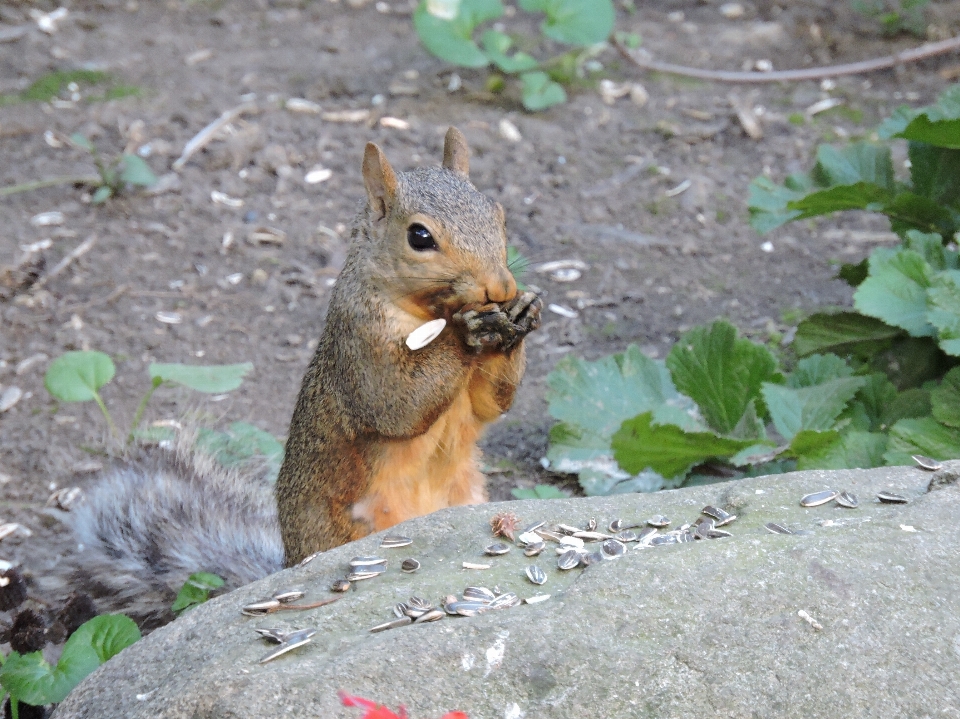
(502, 287)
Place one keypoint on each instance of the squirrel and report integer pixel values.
(380, 432)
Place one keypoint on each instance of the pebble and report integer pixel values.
(10, 396)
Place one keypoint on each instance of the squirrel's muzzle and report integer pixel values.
(501, 287)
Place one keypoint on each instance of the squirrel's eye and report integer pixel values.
(420, 238)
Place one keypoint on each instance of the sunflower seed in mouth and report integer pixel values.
(658, 520)
(931, 465)
(474, 565)
(569, 559)
(589, 558)
(891, 498)
(612, 548)
(848, 500)
(401, 622)
(481, 594)
(340, 585)
(360, 576)
(364, 562)
(536, 599)
(432, 616)
(536, 575)
(496, 549)
(297, 639)
(287, 597)
(775, 528)
(409, 566)
(817, 498)
(393, 541)
(533, 549)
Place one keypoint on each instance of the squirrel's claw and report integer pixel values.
(524, 312)
(500, 327)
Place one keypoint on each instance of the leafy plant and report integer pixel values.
(449, 30)
(30, 679)
(78, 377)
(196, 590)
(241, 443)
(630, 423)
(894, 16)
(118, 174)
(541, 491)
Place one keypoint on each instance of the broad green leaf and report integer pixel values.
(32, 680)
(750, 426)
(452, 40)
(858, 162)
(944, 310)
(540, 92)
(909, 211)
(876, 396)
(930, 246)
(843, 333)
(852, 450)
(768, 203)
(213, 379)
(935, 172)
(946, 399)
(81, 141)
(896, 290)
(818, 369)
(575, 22)
(496, 44)
(753, 455)
(136, 171)
(668, 450)
(541, 491)
(912, 361)
(813, 408)
(896, 123)
(196, 590)
(854, 274)
(76, 376)
(720, 372)
(859, 196)
(942, 133)
(809, 441)
(240, 443)
(923, 436)
(601, 482)
(102, 194)
(909, 404)
(937, 124)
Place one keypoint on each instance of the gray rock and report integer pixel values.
(706, 628)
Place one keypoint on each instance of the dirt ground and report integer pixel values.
(585, 181)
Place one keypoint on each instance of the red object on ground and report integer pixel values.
(375, 711)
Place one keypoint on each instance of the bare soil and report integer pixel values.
(586, 181)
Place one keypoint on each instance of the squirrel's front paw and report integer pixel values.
(486, 329)
(524, 312)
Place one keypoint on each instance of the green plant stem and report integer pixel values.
(143, 406)
(106, 414)
(50, 182)
(14, 707)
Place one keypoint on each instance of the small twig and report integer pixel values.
(77, 252)
(51, 182)
(107, 299)
(202, 138)
(814, 73)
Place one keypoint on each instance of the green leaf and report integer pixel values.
(452, 40)
(937, 124)
(909, 404)
(854, 274)
(896, 290)
(923, 436)
(136, 171)
(768, 203)
(196, 590)
(76, 376)
(859, 196)
(32, 680)
(875, 397)
(853, 450)
(935, 173)
(541, 491)
(212, 379)
(102, 194)
(813, 408)
(668, 450)
(930, 247)
(818, 369)
(946, 399)
(81, 141)
(942, 133)
(944, 310)
(241, 443)
(540, 92)
(858, 163)
(912, 361)
(753, 455)
(910, 211)
(575, 22)
(720, 372)
(496, 44)
(843, 333)
(809, 441)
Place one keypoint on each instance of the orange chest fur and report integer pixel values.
(437, 469)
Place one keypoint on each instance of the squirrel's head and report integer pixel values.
(438, 244)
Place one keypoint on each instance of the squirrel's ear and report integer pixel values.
(456, 154)
(379, 179)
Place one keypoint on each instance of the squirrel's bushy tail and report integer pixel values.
(153, 521)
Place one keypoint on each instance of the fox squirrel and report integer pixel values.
(380, 432)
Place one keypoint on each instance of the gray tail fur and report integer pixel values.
(151, 522)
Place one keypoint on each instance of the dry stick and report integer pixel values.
(77, 251)
(814, 73)
(202, 138)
